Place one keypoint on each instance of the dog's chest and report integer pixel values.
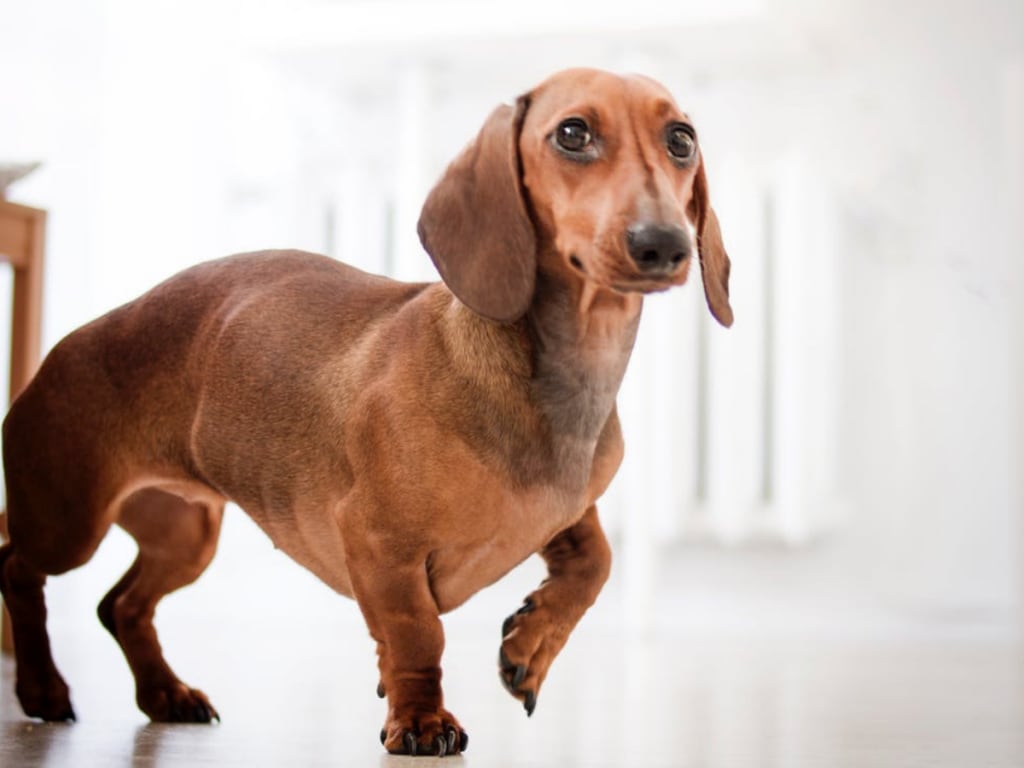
(496, 540)
(433, 499)
(468, 534)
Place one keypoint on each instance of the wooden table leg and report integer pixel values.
(22, 243)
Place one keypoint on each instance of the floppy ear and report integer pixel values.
(475, 226)
(714, 261)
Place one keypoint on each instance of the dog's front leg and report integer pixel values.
(579, 560)
(403, 618)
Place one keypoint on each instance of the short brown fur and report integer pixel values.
(408, 444)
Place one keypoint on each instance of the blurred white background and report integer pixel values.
(849, 453)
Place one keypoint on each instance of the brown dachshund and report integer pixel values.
(407, 443)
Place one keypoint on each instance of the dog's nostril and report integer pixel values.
(678, 257)
(650, 257)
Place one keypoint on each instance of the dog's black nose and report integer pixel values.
(657, 248)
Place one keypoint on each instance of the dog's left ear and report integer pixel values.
(714, 261)
(475, 226)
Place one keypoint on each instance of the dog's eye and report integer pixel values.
(573, 135)
(681, 142)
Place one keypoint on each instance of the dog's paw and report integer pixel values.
(436, 734)
(528, 646)
(176, 703)
(50, 701)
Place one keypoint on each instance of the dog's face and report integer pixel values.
(609, 166)
(598, 176)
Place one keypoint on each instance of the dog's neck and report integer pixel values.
(582, 338)
(553, 375)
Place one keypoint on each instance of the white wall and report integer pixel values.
(928, 305)
(51, 81)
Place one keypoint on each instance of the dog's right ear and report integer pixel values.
(475, 226)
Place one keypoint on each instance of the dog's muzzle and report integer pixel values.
(657, 249)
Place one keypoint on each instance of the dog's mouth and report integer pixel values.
(631, 281)
(643, 285)
(625, 280)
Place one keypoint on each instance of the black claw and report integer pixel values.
(451, 736)
(463, 741)
(519, 676)
(530, 703)
(410, 743)
(383, 735)
(518, 671)
(381, 693)
(528, 606)
(440, 745)
(512, 675)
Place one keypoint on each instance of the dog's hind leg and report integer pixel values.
(51, 533)
(177, 540)
(40, 687)
(579, 560)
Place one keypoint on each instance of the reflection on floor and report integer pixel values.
(294, 682)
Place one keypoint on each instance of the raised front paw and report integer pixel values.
(429, 734)
(529, 644)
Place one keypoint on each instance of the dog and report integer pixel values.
(407, 443)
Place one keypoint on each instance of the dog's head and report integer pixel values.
(590, 176)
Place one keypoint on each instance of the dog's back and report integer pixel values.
(122, 395)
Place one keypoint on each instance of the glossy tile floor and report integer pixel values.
(294, 682)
